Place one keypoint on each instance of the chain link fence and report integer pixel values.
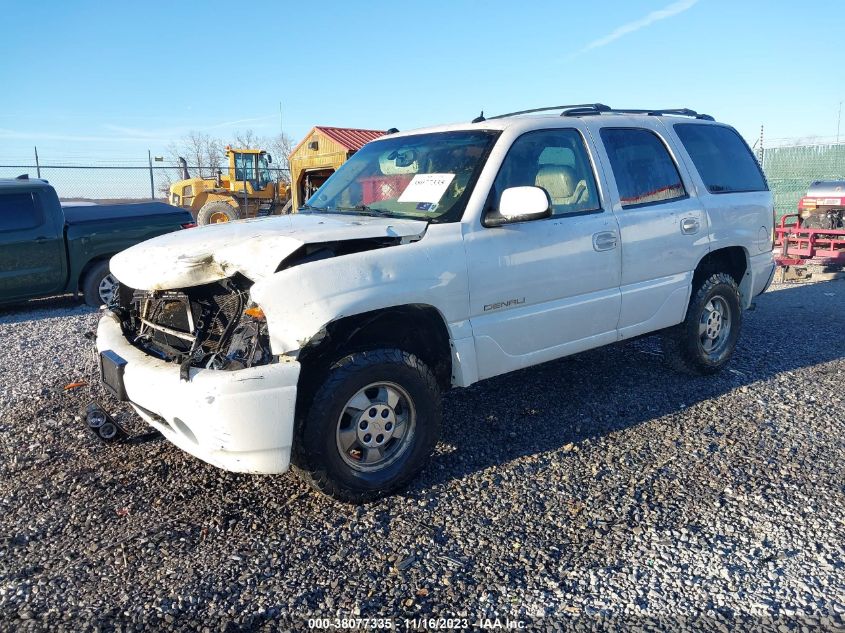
(105, 183)
(789, 170)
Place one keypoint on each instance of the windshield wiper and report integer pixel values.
(364, 209)
(313, 208)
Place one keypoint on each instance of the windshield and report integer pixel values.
(244, 166)
(427, 176)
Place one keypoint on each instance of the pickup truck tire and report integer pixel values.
(706, 340)
(216, 212)
(98, 286)
(371, 426)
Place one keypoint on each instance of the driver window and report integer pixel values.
(555, 160)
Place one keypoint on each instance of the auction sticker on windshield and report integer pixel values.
(426, 188)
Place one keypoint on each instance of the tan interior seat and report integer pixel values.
(562, 185)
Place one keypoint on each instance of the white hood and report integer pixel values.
(254, 248)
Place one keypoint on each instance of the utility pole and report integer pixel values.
(838, 121)
(38, 165)
(152, 182)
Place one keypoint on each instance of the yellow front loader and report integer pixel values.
(246, 191)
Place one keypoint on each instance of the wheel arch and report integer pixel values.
(83, 272)
(733, 260)
(416, 328)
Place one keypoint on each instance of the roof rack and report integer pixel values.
(598, 107)
(582, 109)
(586, 110)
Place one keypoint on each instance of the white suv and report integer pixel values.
(431, 259)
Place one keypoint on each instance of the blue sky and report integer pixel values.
(88, 80)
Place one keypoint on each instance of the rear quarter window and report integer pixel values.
(19, 211)
(722, 158)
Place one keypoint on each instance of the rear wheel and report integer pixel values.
(706, 340)
(99, 285)
(371, 426)
(216, 213)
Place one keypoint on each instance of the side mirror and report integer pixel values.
(269, 159)
(521, 204)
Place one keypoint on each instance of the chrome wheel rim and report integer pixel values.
(714, 326)
(376, 426)
(106, 289)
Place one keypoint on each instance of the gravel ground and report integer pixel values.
(594, 491)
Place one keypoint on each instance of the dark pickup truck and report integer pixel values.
(47, 249)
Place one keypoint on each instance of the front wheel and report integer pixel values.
(371, 425)
(706, 340)
(99, 285)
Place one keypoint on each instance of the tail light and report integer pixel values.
(189, 225)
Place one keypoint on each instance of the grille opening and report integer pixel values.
(193, 327)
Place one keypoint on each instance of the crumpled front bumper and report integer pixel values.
(240, 421)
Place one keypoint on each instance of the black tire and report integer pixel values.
(213, 212)
(94, 284)
(683, 344)
(317, 451)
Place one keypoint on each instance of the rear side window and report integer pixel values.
(723, 159)
(644, 171)
(19, 211)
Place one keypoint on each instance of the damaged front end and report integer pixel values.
(212, 326)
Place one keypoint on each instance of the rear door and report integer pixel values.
(663, 224)
(733, 189)
(32, 256)
(545, 288)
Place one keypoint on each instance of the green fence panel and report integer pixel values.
(790, 170)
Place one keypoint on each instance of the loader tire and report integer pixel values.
(705, 341)
(216, 213)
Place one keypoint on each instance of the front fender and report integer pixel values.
(300, 301)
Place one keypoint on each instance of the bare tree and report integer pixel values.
(247, 140)
(203, 152)
(280, 147)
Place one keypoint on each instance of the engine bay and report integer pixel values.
(209, 326)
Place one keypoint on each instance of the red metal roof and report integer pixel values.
(351, 138)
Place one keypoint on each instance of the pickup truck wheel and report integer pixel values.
(706, 340)
(216, 213)
(371, 425)
(99, 285)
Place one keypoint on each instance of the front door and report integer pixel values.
(32, 260)
(544, 288)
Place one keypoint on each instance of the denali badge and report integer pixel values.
(504, 304)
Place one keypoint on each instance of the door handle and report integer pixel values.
(690, 226)
(605, 240)
(41, 239)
